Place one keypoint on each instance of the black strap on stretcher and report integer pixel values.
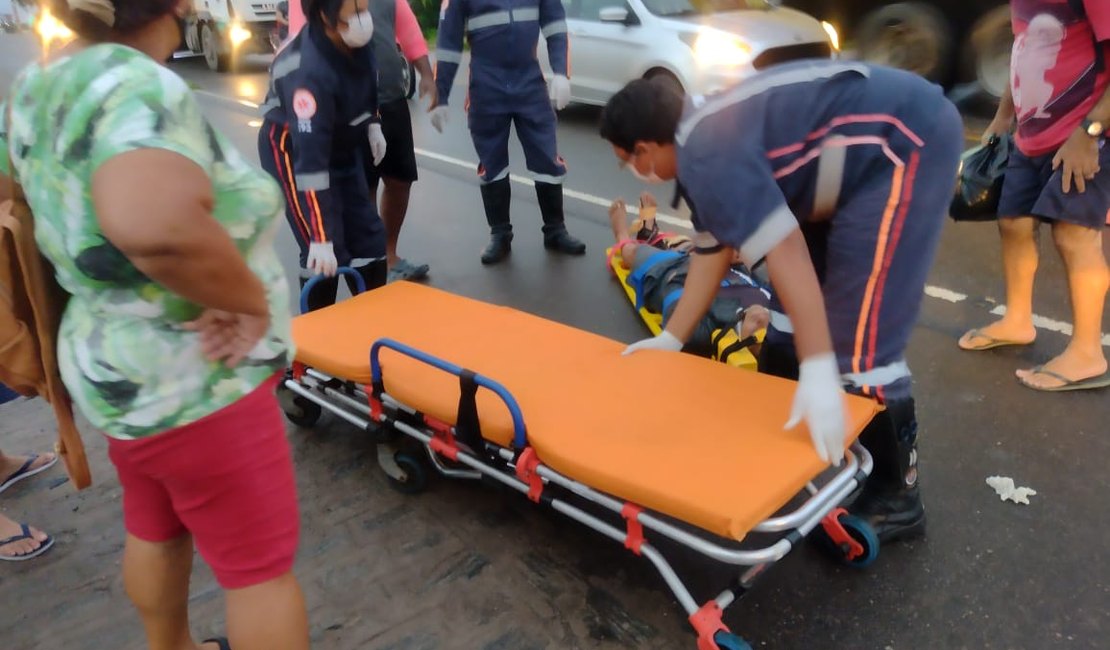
(468, 428)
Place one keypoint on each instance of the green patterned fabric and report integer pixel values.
(131, 367)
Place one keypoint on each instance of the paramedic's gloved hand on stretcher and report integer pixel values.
(819, 399)
(664, 341)
(321, 259)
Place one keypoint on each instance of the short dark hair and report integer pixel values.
(130, 16)
(644, 110)
(316, 10)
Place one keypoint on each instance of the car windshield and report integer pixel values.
(701, 7)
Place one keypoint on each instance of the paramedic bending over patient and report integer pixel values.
(323, 99)
(857, 162)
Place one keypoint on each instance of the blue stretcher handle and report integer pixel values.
(360, 284)
(520, 435)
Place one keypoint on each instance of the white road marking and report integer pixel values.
(940, 293)
(574, 194)
(944, 294)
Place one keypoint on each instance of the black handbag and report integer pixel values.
(982, 172)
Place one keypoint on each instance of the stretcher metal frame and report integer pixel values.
(519, 469)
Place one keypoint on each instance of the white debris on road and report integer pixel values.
(1004, 487)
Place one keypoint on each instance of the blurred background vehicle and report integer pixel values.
(226, 30)
(699, 46)
(951, 42)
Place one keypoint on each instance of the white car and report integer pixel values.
(699, 45)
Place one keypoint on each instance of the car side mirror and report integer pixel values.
(620, 15)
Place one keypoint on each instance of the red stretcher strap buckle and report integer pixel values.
(526, 470)
(375, 409)
(635, 539)
(443, 439)
(707, 623)
(298, 370)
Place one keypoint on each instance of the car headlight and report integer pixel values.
(715, 48)
(834, 37)
(238, 34)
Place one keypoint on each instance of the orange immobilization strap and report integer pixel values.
(443, 441)
(635, 538)
(526, 470)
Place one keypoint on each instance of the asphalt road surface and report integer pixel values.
(465, 566)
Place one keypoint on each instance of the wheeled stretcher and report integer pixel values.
(670, 445)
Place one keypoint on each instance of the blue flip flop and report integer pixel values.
(222, 641)
(26, 471)
(44, 546)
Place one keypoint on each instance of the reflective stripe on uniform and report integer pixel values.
(448, 56)
(552, 28)
(881, 376)
(285, 65)
(314, 182)
(526, 14)
(489, 19)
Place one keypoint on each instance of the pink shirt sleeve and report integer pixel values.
(409, 35)
(1098, 13)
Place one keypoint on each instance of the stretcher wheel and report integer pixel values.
(862, 532)
(855, 528)
(416, 476)
(729, 641)
(307, 413)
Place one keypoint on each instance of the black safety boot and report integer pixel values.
(496, 197)
(555, 235)
(373, 274)
(891, 498)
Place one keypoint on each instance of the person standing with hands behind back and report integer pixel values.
(1060, 97)
(321, 107)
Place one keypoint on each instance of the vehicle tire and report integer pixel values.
(408, 77)
(989, 46)
(909, 35)
(305, 413)
(210, 47)
(667, 78)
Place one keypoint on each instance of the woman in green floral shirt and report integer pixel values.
(178, 325)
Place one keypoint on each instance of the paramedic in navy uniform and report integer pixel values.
(840, 174)
(322, 100)
(507, 87)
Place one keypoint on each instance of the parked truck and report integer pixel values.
(947, 41)
(226, 30)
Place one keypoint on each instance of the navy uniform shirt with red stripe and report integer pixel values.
(788, 145)
(324, 100)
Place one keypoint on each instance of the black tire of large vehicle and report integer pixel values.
(987, 51)
(667, 78)
(894, 23)
(410, 80)
(216, 62)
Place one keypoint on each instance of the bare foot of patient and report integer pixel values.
(756, 317)
(618, 219)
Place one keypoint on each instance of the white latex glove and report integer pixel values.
(377, 143)
(819, 399)
(559, 90)
(665, 341)
(439, 118)
(321, 259)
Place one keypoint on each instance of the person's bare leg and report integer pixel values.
(11, 528)
(394, 207)
(1019, 263)
(618, 219)
(1088, 279)
(268, 616)
(156, 578)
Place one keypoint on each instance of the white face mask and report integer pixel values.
(360, 29)
(651, 178)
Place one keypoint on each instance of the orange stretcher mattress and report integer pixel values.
(685, 436)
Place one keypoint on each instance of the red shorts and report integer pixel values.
(227, 479)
